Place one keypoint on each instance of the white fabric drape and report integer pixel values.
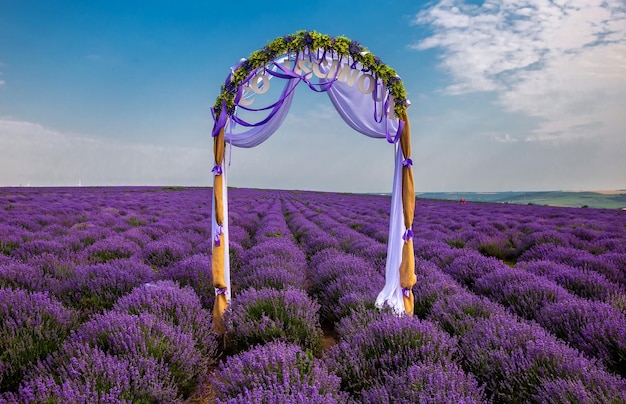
(392, 292)
(359, 111)
(258, 134)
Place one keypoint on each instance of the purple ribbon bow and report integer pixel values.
(218, 231)
(406, 292)
(217, 169)
(408, 162)
(220, 291)
(408, 234)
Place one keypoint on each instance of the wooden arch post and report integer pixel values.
(407, 265)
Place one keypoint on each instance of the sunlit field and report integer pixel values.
(106, 295)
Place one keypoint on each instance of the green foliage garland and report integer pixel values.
(312, 40)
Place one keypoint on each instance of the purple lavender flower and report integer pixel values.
(31, 326)
(469, 266)
(80, 373)
(111, 248)
(428, 383)
(275, 277)
(515, 358)
(194, 271)
(265, 315)
(97, 287)
(164, 252)
(389, 344)
(458, 313)
(178, 306)
(432, 286)
(144, 335)
(596, 328)
(522, 292)
(34, 248)
(584, 283)
(277, 372)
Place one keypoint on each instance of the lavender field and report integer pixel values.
(106, 296)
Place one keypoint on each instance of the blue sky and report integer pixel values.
(505, 95)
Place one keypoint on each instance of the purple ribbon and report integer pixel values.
(395, 139)
(218, 231)
(408, 163)
(217, 169)
(408, 234)
(220, 291)
(220, 122)
(406, 292)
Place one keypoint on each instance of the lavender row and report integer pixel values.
(154, 345)
(349, 239)
(594, 327)
(516, 360)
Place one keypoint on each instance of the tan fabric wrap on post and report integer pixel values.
(218, 256)
(407, 266)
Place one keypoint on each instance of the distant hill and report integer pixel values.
(591, 199)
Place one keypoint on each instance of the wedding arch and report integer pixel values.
(367, 94)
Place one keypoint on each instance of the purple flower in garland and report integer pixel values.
(307, 40)
(277, 372)
(355, 48)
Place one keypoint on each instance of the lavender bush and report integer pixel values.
(427, 383)
(97, 287)
(194, 271)
(522, 292)
(595, 328)
(276, 372)
(387, 345)
(80, 373)
(265, 315)
(32, 324)
(146, 336)
(514, 359)
(584, 283)
(178, 306)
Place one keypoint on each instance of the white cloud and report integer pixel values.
(562, 62)
(33, 154)
(505, 139)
